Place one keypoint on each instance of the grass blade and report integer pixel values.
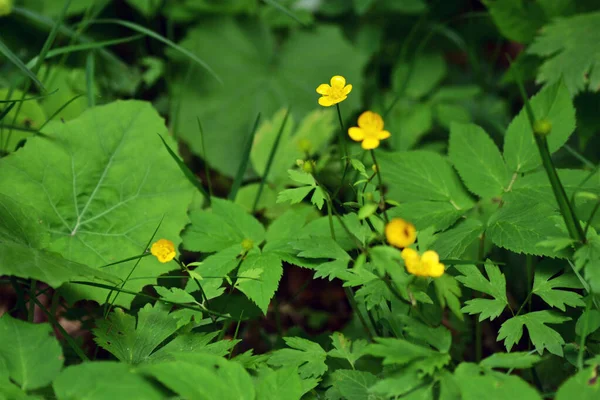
(239, 177)
(5, 112)
(28, 98)
(160, 38)
(270, 159)
(58, 112)
(285, 10)
(90, 65)
(186, 171)
(20, 65)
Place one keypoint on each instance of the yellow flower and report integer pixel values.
(400, 233)
(426, 265)
(164, 250)
(334, 93)
(5, 7)
(369, 131)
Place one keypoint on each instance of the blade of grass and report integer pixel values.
(239, 177)
(90, 63)
(285, 10)
(160, 38)
(28, 98)
(6, 110)
(270, 159)
(12, 57)
(58, 112)
(125, 260)
(186, 171)
(205, 159)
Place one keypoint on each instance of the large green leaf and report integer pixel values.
(308, 356)
(422, 175)
(517, 20)
(572, 46)
(477, 160)
(105, 380)
(454, 242)
(103, 185)
(494, 286)
(273, 77)
(31, 116)
(133, 342)
(22, 237)
(32, 355)
(264, 272)
(283, 384)
(552, 104)
(492, 385)
(582, 386)
(424, 214)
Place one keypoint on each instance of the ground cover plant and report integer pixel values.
(293, 199)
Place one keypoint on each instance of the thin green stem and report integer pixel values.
(330, 215)
(380, 181)
(344, 161)
(589, 221)
(354, 305)
(584, 335)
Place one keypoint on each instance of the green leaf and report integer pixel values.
(545, 285)
(102, 188)
(206, 377)
(517, 20)
(552, 104)
(520, 225)
(438, 337)
(587, 257)
(422, 175)
(572, 47)
(269, 269)
(454, 242)
(32, 355)
(495, 287)
(174, 295)
(424, 214)
(69, 83)
(313, 133)
(346, 348)
(426, 72)
(492, 386)
(30, 116)
(21, 239)
(477, 160)
(109, 380)
(294, 196)
(283, 384)
(307, 356)
(226, 225)
(354, 385)
(408, 123)
(320, 247)
(448, 293)
(189, 343)
(215, 267)
(540, 335)
(583, 386)
(276, 74)
(517, 360)
(398, 351)
(130, 342)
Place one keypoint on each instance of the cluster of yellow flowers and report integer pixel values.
(370, 124)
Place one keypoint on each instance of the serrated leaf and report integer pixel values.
(477, 160)
(294, 196)
(345, 348)
(448, 293)
(307, 356)
(424, 214)
(110, 380)
(301, 63)
(283, 384)
(540, 335)
(318, 197)
(32, 355)
(422, 175)
(133, 342)
(495, 287)
(584, 385)
(225, 225)
(572, 48)
(261, 290)
(517, 20)
(189, 342)
(552, 104)
(320, 247)
(301, 177)
(398, 351)
(517, 360)
(545, 286)
(453, 242)
(174, 295)
(103, 186)
(354, 385)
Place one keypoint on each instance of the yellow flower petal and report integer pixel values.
(338, 82)
(347, 89)
(356, 134)
(371, 121)
(163, 250)
(383, 135)
(370, 143)
(327, 101)
(323, 89)
(430, 257)
(400, 233)
(437, 270)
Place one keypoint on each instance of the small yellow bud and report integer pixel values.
(308, 167)
(300, 163)
(542, 127)
(247, 244)
(5, 7)
(374, 168)
(305, 145)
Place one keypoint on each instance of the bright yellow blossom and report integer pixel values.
(5, 7)
(426, 265)
(400, 233)
(334, 93)
(164, 250)
(369, 131)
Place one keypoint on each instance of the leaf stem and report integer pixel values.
(380, 181)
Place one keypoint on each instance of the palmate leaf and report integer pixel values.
(309, 357)
(282, 384)
(491, 385)
(453, 243)
(268, 269)
(31, 354)
(346, 348)
(352, 385)
(103, 186)
(275, 75)
(545, 285)
(540, 335)
(494, 287)
(572, 46)
(133, 342)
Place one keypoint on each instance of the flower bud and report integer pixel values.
(308, 167)
(542, 127)
(5, 7)
(247, 244)
(305, 145)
